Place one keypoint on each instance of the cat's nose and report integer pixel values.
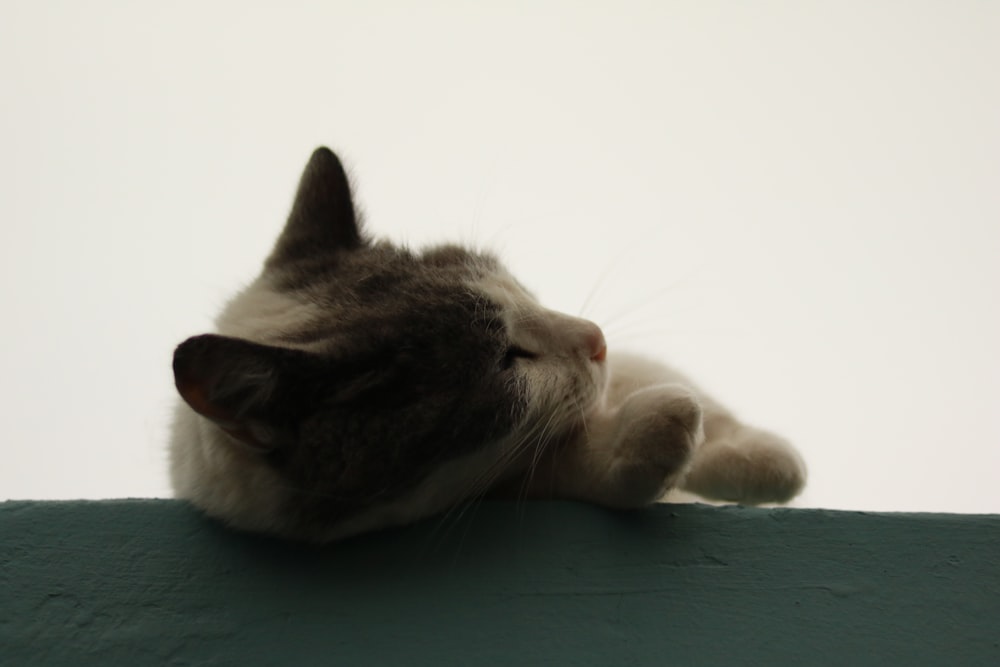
(595, 344)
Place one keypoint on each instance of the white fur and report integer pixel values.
(218, 474)
(262, 314)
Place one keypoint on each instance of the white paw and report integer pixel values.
(750, 466)
(659, 429)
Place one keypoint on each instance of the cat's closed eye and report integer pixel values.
(513, 353)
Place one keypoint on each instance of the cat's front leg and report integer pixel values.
(740, 463)
(628, 455)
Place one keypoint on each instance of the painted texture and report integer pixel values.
(150, 582)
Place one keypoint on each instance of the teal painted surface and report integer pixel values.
(153, 583)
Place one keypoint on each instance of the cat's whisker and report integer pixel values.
(583, 417)
(624, 253)
(596, 288)
(477, 501)
(622, 329)
(476, 489)
(549, 434)
(472, 500)
(544, 437)
(642, 303)
(625, 337)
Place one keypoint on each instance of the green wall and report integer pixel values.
(151, 582)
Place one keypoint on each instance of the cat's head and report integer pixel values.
(357, 384)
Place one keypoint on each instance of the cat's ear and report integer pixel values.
(323, 216)
(243, 387)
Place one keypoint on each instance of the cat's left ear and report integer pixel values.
(323, 218)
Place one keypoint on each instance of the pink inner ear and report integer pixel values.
(193, 394)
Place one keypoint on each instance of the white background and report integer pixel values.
(795, 202)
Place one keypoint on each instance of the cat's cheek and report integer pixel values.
(533, 391)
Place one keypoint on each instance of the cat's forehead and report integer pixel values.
(453, 255)
(390, 279)
(503, 289)
(439, 296)
(434, 267)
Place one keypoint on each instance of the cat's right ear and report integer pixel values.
(323, 218)
(249, 390)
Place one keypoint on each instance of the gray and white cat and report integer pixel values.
(356, 384)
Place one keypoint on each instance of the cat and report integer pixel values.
(356, 385)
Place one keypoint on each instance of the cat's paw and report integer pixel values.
(749, 466)
(659, 429)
